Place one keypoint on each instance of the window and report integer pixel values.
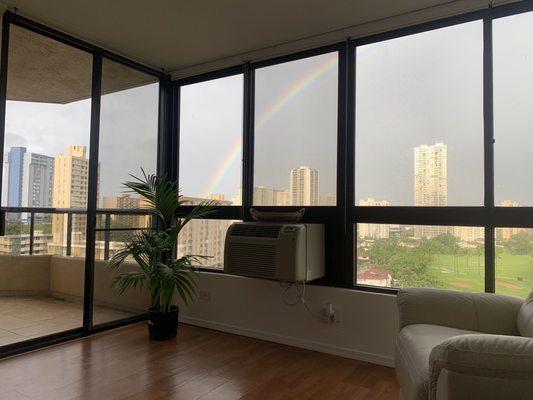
(205, 237)
(48, 110)
(514, 261)
(296, 132)
(128, 131)
(210, 161)
(513, 101)
(419, 119)
(392, 255)
(211, 140)
(128, 143)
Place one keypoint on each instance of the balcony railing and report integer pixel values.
(24, 240)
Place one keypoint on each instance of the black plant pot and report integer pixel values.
(163, 325)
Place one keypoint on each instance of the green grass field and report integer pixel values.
(514, 273)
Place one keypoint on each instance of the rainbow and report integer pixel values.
(290, 93)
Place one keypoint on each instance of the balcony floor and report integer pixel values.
(27, 317)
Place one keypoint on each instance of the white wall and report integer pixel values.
(254, 307)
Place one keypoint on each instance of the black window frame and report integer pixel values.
(341, 220)
(97, 53)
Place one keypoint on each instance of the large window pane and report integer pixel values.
(513, 101)
(450, 257)
(296, 132)
(205, 237)
(128, 130)
(211, 139)
(45, 166)
(514, 261)
(419, 119)
(128, 143)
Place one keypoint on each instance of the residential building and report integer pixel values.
(329, 199)
(505, 233)
(282, 197)
(469, 233)
(431, 183)
(204, 237)
(264, 196)
(304, 186)
(15, 159)
(37, 180)
(126, 201)
(374, 231)
(375, 276)
(71, 182)
(20, 244)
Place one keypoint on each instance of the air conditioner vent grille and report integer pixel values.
(253, 259)
(271, 231)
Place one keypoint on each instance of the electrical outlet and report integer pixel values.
(330, 313)
(204, 295)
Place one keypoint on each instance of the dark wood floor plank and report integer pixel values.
(200, 364)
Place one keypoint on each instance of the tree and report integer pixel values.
(521, 244)
(449, 244)
(383, 250)
(410, 266)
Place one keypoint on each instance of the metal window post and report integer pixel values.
(107, 235)
(69, 235)
(32, 231)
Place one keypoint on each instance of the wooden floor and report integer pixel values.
(200, 364)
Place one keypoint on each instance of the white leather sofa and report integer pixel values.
(455, 345)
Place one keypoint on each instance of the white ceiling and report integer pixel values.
(176, 34)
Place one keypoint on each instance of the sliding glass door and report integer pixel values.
(77, 122)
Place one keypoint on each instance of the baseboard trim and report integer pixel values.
(291, 341)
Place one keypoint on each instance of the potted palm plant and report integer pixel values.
(158, 270)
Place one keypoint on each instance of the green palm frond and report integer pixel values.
(152, 249)
(128, 280)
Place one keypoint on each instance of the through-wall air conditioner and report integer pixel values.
(285, 252)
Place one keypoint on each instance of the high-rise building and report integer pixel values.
(15, 159)
(37, 180)
(304, 186)
(431, 183)
(329, 199)
(204, 237)
(506, 232)
(29, 179)
(469, 233)
(126, 202)
(374, 231)
(282, 197)
(5, 179)
(71, 182)
(264, 196)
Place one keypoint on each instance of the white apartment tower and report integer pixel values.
(71, 184)
(204, 237)
(431, 183)
(304, 186)
(373, 231)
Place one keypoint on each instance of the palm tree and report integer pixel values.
(153, 249)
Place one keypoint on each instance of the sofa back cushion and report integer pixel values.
(525, 317)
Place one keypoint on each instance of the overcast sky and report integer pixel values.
(128, 132)
(421, 89)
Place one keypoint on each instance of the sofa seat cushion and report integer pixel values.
(413, 347)
(525, 317)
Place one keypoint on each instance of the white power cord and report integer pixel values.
(300, 298)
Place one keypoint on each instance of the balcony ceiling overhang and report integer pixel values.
(47, 71)
(179, 34)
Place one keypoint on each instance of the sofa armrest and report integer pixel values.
(481, 312)
(494, 362)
